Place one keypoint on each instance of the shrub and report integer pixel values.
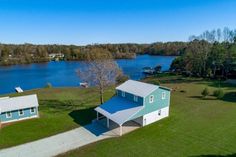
(183, 91)
(48, 85)
(219, 93)
(205, 92)
(155, 82)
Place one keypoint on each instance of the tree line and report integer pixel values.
(29, 53)
(210, 54)
(216, 35)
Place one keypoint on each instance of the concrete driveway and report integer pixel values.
(60, 143)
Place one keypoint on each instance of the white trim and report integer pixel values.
(135, 98)
(151, 100)
(123, 93)
(10, 115)
(22, 112)
(14, 120)
(169, 99)
(108, 124)
(31, 110)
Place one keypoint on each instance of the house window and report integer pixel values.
(151, 99)
(135, 98)
(163, 95)
(8, 115)
(123, 94)
(159, 112)
(21, 112)
(32, 110)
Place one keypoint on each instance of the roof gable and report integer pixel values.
(137, 88)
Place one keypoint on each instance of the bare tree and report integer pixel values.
(99, 70)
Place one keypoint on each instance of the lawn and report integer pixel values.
(60, 109)
(195, 127)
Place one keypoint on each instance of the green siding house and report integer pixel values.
(136, 101)
(18, 108)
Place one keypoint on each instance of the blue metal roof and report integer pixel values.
(119, 109)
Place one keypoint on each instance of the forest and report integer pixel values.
(211, 54)
(28, 53)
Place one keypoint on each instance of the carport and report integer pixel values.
(119, 111)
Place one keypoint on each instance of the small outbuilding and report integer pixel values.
(19, 90)
(18, 108)
(138, 102)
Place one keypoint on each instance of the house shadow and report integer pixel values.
(85, 117)
(230, 97)
(200, 97)
(230, 155)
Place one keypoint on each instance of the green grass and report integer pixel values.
(60, 109)
(195, 127)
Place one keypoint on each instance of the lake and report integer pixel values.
(63, 74)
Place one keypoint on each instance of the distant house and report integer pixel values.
(56, 56)
(18, 108)
(136, 101)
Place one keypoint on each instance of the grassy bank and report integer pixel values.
(196, 126)
(60, 109)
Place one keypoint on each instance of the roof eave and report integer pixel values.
(165, 88)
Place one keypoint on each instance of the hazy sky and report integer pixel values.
(111, 21)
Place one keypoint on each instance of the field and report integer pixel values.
(196, 126)
(60, 109)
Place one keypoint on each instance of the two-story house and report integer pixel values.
(136, 101)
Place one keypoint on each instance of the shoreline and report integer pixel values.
(41, 62)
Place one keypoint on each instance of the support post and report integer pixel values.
(120, 130)
(97, 116)
(108, 125)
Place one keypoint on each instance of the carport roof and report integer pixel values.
(119, 109)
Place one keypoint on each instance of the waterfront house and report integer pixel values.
(56, 56)
(136, 101)
(18, 108)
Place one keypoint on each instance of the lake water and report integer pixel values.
(63, 74)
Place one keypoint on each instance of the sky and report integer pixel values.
(82, 22)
